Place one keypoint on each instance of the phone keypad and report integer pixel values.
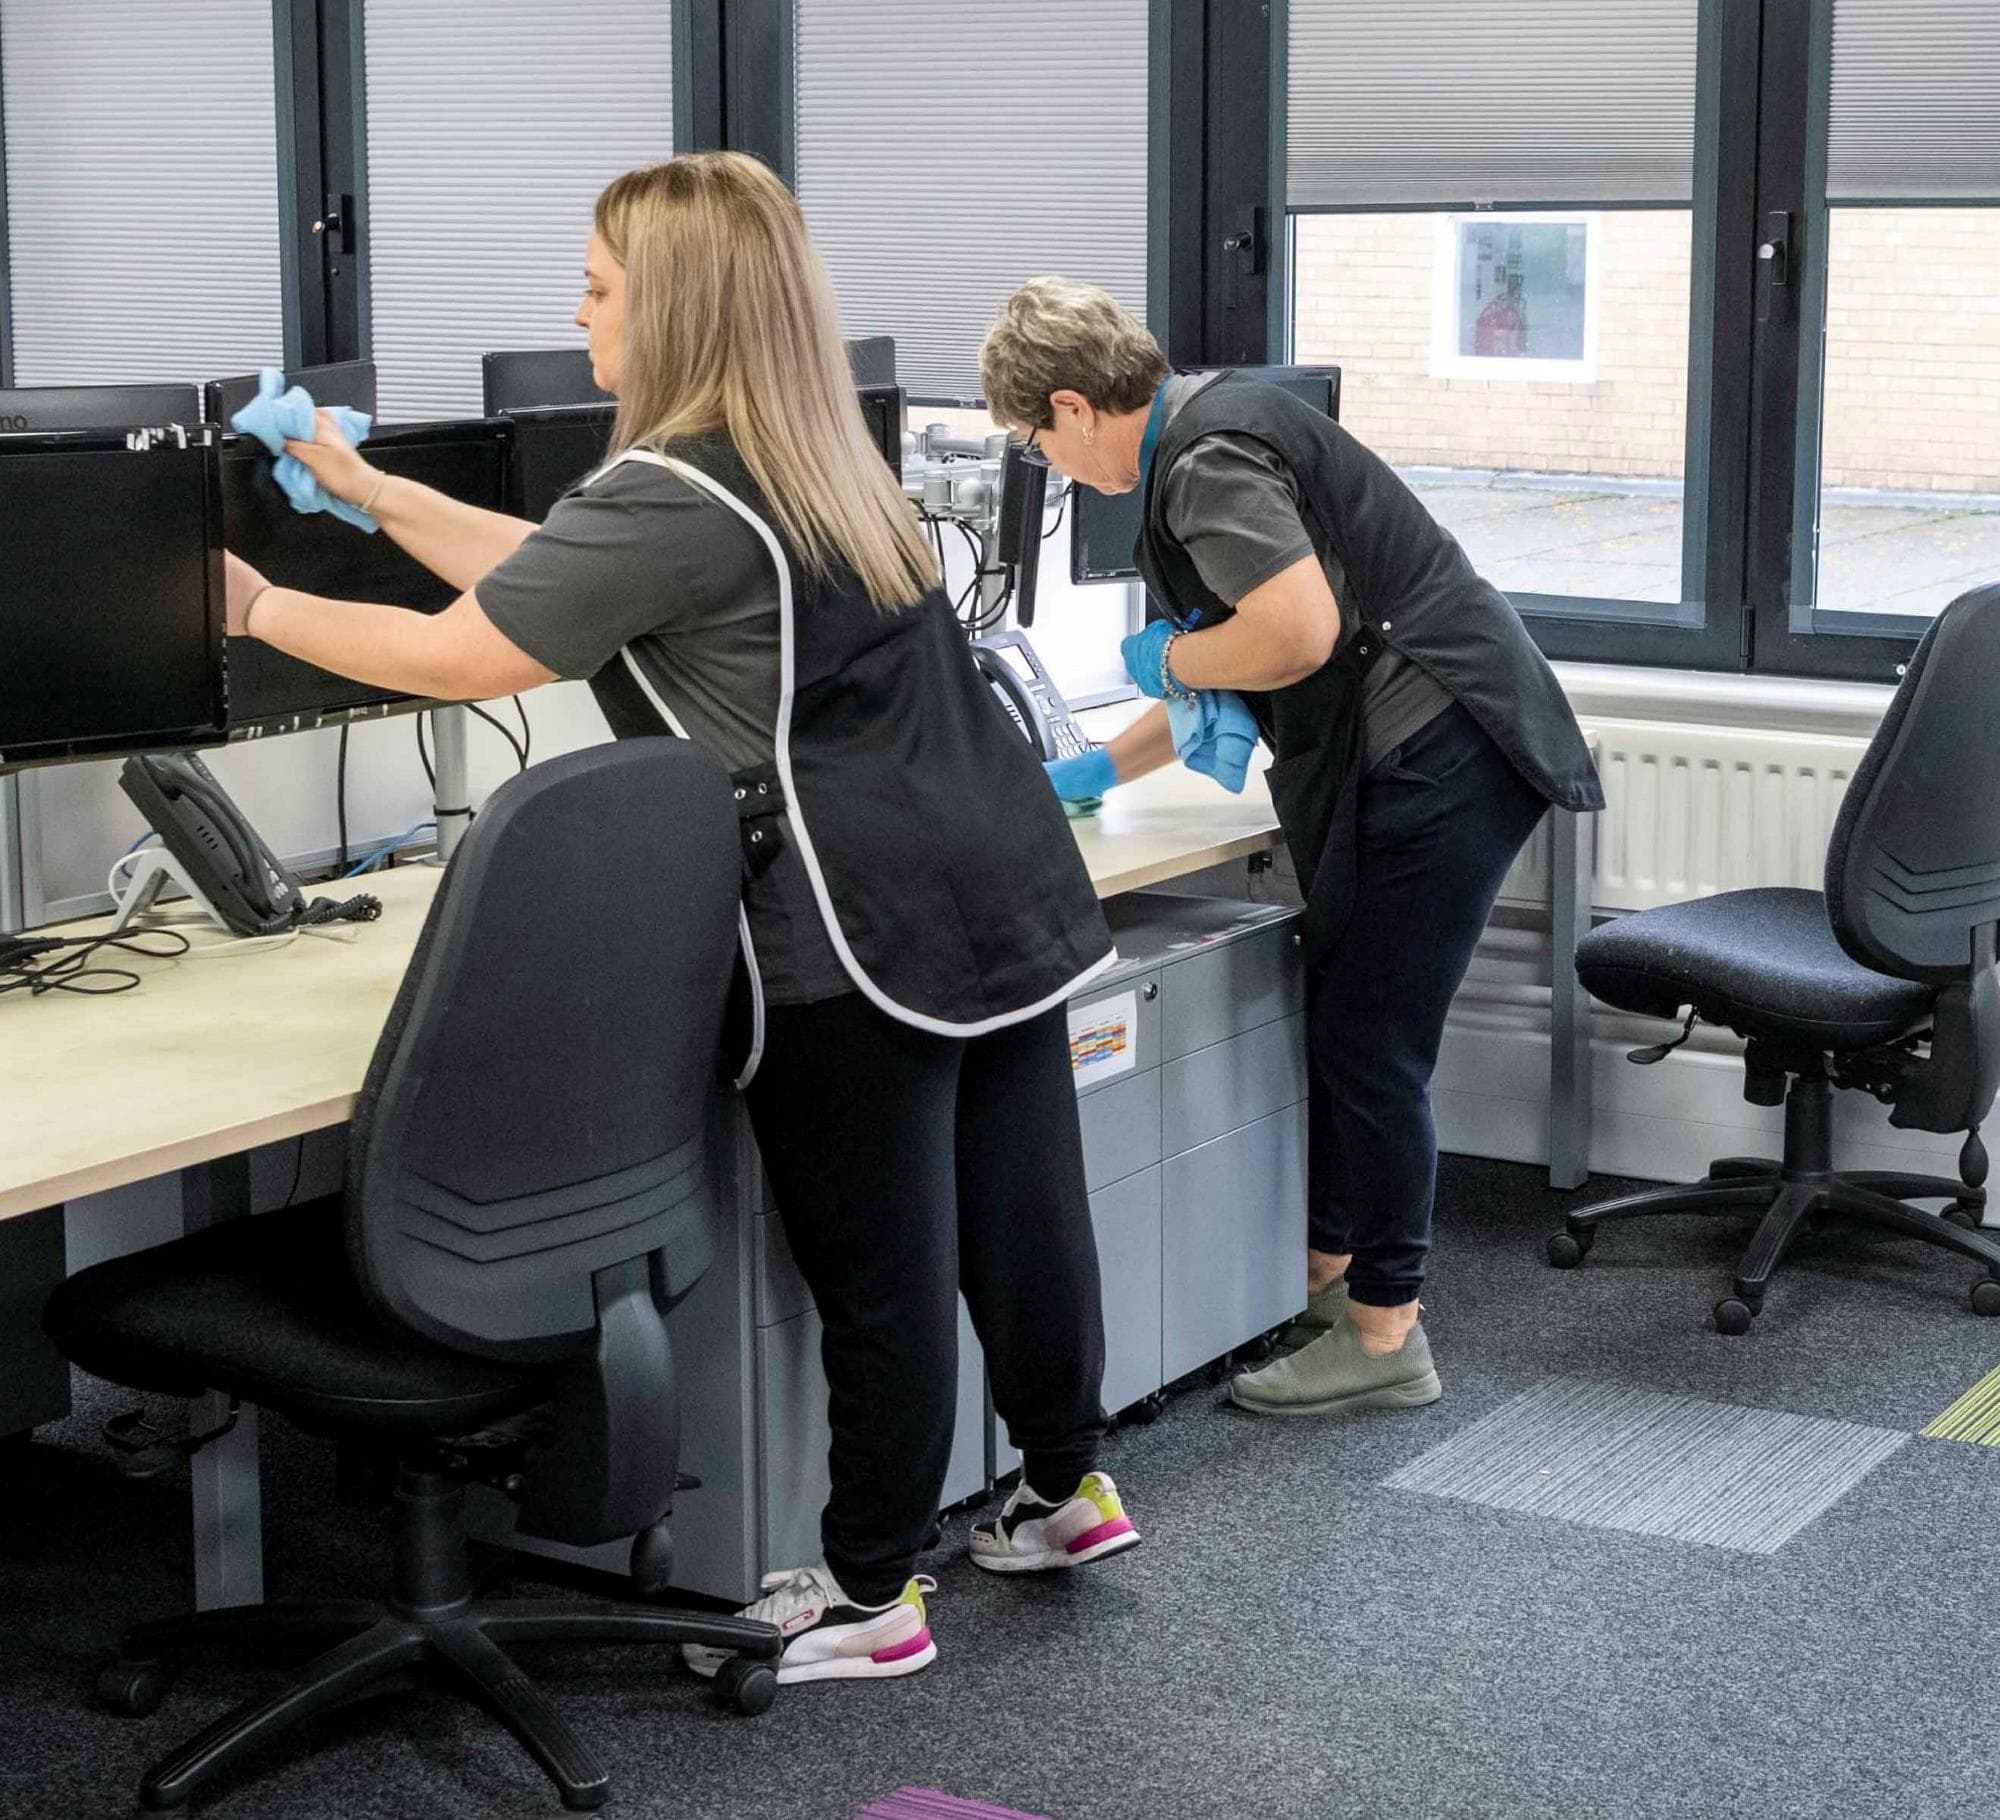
(1069, 742)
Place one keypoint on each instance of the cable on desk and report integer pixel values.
(23, 967)
(527, 732)
(424, 754)
(340, 796)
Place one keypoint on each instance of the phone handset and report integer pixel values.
(208, 847)
(1028, 693)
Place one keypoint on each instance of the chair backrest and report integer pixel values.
(1913, 867)
(533, 1119)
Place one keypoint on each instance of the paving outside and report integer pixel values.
(1544, 534)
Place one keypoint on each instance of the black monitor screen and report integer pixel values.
(348, 382)
(553, 450)
(96, 407)
(321, 554)
(882, 407)
(536, 379)
(1107, 524)
(111, 606)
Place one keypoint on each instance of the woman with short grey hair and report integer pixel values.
(1417, 736)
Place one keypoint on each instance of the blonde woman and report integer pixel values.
(745, 572)
(1417, 736)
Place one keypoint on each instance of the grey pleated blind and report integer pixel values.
(491, 130)
(142, 189)
(1916, 101)
(1425, 103)
(947, 151)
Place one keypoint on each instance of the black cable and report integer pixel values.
(505, 732)
(298, 1169)
(424, 756)
(340, 795)
(23, 970)
(527, 732)
(1062, 506)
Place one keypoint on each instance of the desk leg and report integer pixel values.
(1569, 1004)
(228, 1499)
(34, 1376)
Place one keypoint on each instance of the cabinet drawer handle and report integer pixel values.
(1150, 991)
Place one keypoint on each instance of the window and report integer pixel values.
(938, 170)
(1494, 230)
(142, 190)
(491, 130)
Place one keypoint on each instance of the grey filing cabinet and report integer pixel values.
(1194, 1154)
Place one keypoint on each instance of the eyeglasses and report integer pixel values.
(1030, 452)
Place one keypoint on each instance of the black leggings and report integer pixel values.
(908, 1167)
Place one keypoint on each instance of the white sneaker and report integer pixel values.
(830, 1638)
(1031, 1536)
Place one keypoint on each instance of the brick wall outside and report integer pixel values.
(1913, 351)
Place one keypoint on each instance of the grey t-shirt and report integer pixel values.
(1235, 506)
(640, 558)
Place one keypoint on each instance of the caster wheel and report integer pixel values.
(1966, 1219)
(1986, 1296)
(1147, 1410)
(133, 1688)
(1568, 1249)
(1255, 1353)
(749, 1686)
(1732, 1316)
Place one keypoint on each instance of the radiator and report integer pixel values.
(1692, 810)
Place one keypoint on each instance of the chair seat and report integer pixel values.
(267, 1309)
(1765, 963)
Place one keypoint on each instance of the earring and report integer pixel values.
(1089, 433)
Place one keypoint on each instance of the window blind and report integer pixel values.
(491, 130)
(1424, 104)
(947, 152)
(1914, 115)
(142, 189)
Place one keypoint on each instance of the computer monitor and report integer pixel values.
(882, 408)
(872, 359)
(348, 382)
(553, 450)
(1106, 525)
(95, 407)
(531, 379)
(321, 554)
(1024, 490)
(112, 637)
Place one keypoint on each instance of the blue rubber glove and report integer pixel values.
(1145, 660)
(1083, 778)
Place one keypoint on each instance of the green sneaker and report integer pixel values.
(1327, 1309)
(1334, 1373)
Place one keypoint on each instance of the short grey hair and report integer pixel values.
(1057, 334)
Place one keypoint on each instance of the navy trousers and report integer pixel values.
(1441, 818)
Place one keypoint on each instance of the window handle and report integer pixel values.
(1774, 261)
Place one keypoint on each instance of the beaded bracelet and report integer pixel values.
(1171, 686)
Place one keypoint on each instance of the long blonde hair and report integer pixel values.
(730, 321)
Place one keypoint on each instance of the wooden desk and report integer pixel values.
(218, 1055)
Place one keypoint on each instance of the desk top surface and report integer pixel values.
(244, 1046)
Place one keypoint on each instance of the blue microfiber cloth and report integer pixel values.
(275, 415)
(1215, 735)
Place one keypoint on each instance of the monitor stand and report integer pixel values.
(151, 872)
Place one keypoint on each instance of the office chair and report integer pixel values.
(1884, 983)
(525, 1201)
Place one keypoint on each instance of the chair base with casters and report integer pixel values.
(432, 1621)
(157, 1321)
(1803, 1191)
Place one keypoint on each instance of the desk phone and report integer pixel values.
(1026, 691)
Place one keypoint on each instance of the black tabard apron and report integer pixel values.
(1409, 588)
(941, 863)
